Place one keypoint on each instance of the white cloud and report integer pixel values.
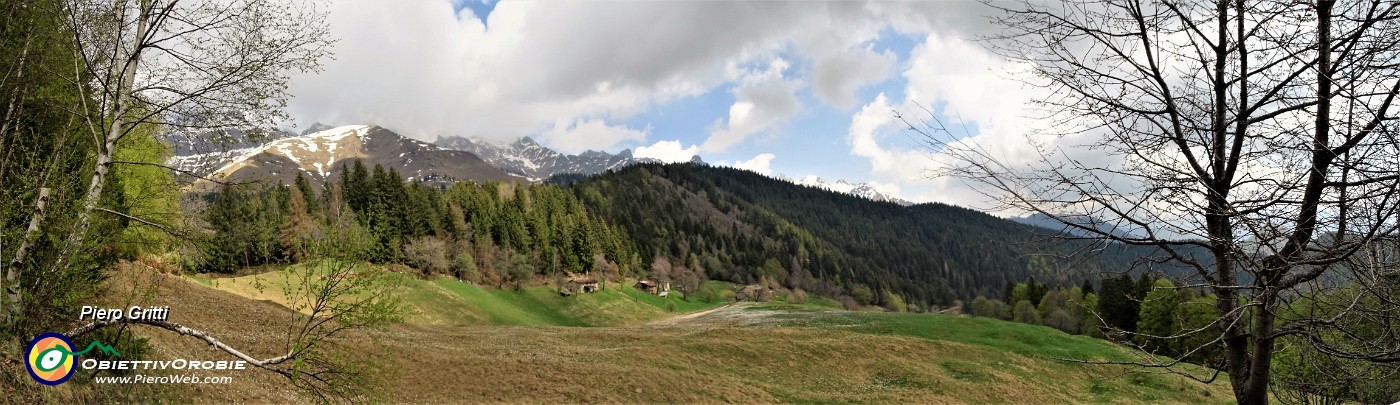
(586, 134)
(836, 77)
(982, 107)
(759, 164)
(871, 123)
(964, 80)
(667, 151)
(421, 69)
(973, 85)
(765, 99)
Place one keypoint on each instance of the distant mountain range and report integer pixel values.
(528, 159)
(863, 190)
(235, 155)
(318, 156)
(190, 144)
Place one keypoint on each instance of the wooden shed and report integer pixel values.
(582, 285)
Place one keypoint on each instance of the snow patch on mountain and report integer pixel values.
(316, 155)
(303, 147)
(526, 158)
(863, 190)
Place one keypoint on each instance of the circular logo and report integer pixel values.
(50, 359)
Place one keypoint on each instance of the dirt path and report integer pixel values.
(692, 317)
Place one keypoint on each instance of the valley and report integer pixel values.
(724, 352)
(752, 202)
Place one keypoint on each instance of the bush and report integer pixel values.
(1024, 312)
(863, 294)
(848, 302)
(894, 302)
(798, 296)
(983, 307)
(428, 254)
(1063, 320)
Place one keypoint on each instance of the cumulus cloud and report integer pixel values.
(586, 134)
(836, 77)
(972, 85)
(982, 109)
(667, 151)
(874, 121)
(759, 164)
(424, 70)
(965, 82)
(765, 99)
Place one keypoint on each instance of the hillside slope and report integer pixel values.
(448, 301)
(744, 354)
(744, 227)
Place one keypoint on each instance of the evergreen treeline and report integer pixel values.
(746, 227)
(489, 233)
(1152, 313)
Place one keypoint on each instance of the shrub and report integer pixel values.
(428, 254)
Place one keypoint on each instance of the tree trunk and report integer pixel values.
(10, 300)
(107, 148)
(1256, 389)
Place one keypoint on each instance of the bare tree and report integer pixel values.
(688, 281)
(1261, 133)
(428, 254)
(661, 270)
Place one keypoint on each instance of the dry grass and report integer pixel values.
(725, 356)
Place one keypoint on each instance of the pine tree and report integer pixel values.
(1119, 302)
(308, 194)
(299, 228)
(457, 222)
(357, 187)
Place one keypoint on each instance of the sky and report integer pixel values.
(791, 88)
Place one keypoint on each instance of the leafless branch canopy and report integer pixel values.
(1262, 131)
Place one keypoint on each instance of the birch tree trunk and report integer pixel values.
(118, 126)
(11, 301)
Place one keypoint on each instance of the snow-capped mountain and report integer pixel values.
(316, 127)
(319, 155)
(529, 159)
(862, 190)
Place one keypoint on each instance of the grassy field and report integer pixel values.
(493, 346)
(448, 301)
(765, 354)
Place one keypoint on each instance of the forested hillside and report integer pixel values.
(748, 228)
(494, 234)
(682, 223)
